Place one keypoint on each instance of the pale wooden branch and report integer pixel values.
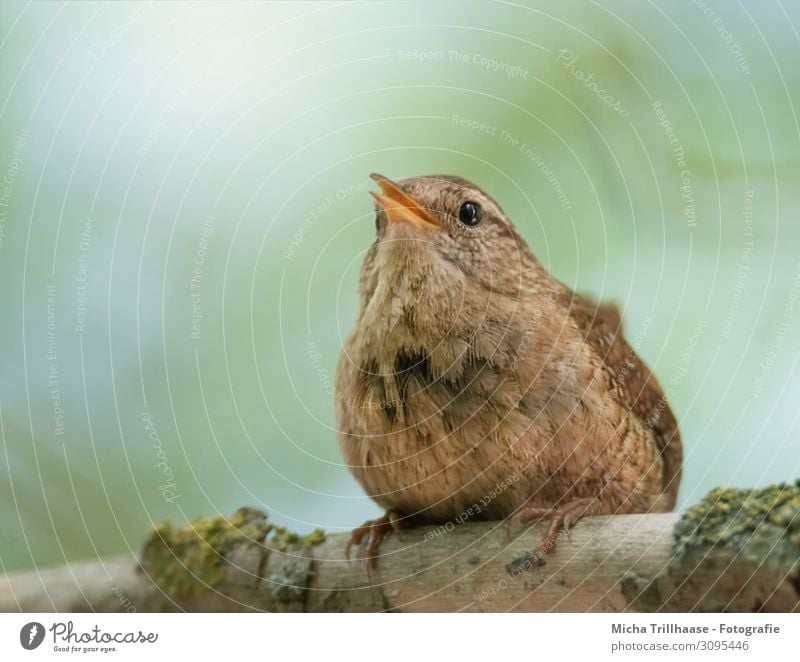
(656, 562)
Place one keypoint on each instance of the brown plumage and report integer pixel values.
(476, 385)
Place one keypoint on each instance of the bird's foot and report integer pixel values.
(528, 514)
(561, 519)
(375, 531)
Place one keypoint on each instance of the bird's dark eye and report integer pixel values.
(470, 213)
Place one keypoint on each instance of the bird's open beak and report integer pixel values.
(399, 206)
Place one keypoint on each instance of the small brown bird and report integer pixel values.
(475, 385)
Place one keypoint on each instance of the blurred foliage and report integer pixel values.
(186, 214)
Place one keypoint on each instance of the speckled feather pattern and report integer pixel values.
(472, 376)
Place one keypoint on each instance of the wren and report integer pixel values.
(475, 382)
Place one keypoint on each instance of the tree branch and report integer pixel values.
(738, 550)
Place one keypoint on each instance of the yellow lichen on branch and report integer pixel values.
(736, 550)
(186, 561)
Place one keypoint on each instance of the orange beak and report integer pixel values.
(399, 206)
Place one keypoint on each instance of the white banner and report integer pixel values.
(400, 637)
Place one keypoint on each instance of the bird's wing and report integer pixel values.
(634, 386)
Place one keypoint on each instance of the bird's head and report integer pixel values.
(446, 260)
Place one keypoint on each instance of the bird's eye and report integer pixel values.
(470, 213)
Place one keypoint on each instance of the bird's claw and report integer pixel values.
(561, 519)
(375, 531)
(528, 514)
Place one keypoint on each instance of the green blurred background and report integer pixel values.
(184, 212)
